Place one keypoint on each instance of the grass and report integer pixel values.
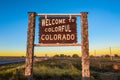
(43, 72)
(58, 69)
(9, 67)
(8, 71)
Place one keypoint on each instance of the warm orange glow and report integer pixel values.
(12, 53)
(66, 51)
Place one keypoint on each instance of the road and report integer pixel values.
(9, 61)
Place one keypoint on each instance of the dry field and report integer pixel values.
(64, 69)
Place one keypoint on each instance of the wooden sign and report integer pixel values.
(57, 30)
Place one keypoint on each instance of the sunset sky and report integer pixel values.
(103, 19)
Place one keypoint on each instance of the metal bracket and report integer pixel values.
(45, 16)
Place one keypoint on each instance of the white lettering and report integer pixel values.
(64, 37)
(49, 29)
(68, 37)
(49, 22)
(58, 37)
(43, 22)
(72, 36)
(47, 37)
(45, 30)
(62, 28)
(46, 22)
(55, 37)
(42, 37)
(53, 21)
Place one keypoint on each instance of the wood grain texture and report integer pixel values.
(85, 46)
(30, 45)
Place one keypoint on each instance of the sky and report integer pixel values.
(103, 23)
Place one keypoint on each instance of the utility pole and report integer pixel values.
(95, 54)
(110, 54)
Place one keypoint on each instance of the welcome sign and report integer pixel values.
(57, 30)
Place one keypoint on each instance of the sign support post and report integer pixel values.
(30, 46)
(85, 47)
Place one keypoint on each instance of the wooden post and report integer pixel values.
(30, 46)
(85, 46)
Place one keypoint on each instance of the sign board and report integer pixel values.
(57, 30)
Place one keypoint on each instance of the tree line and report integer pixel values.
(63, 55)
